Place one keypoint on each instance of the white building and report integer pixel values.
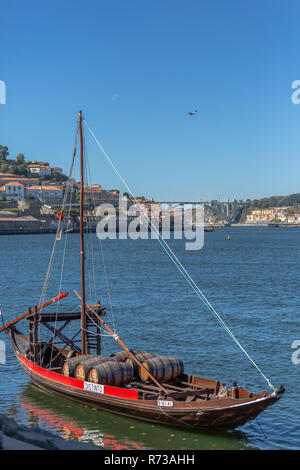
(34, 191)
(52, 192)
(13, 191)
(41, 170)
(45, 193)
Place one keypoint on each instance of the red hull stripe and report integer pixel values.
(108, 390)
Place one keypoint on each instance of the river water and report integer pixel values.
(253, 282)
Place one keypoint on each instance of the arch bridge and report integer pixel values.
(228, 210)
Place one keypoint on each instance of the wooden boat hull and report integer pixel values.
(215, 414)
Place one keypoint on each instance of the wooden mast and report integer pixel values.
(116, 337)
(82, 254)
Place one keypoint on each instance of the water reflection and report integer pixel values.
(74, 421)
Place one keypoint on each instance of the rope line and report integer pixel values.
(69, 187)
(178, 264)
(59, 226)
(103, 261)
(57, 239)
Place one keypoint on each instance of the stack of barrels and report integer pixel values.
(162, 368)
(120, 368)
(98, 369)
(70, 364)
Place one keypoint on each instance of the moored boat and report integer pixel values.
(188, 401)
(140, 384)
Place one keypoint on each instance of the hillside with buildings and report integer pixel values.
(34, 190)
(38, 181)
(29, 180)
(274, 209)
(276, 215)
(31, 195)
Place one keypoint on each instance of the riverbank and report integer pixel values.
(14, 436)
(250, 225)
(48, 230)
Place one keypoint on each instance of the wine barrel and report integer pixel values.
(111, 373)
(162, 368)
(70, 364)
(82, 369)
(121, 356)
(142, 356)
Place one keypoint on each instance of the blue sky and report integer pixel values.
(136, 68)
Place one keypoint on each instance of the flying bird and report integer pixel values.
(193, 112)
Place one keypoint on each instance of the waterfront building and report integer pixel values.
(13, 191)
(41, 170)
(266, 215)
(99, 195)
(52, 193)
(8, 178)
(45, 193)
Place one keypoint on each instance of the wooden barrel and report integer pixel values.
(70, 364)
(111, 373)
(121, 356)
(142, 356)
(82, 369)
(162, 368)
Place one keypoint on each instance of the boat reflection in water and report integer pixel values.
(72, 421)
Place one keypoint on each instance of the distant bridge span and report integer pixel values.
(227, 210)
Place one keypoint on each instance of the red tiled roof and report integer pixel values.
(18, 178)
(52, 188)
(38, 166)
(13, 183)
(93, 189)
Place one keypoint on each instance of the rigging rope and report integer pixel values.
(177, 263)
(103, 260)
(69, 187)
(57, 238)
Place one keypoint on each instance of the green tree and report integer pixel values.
(3, 152)
(4, 167)
(60, 178)
(23, 170)
(20, 158)
(13, 169)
